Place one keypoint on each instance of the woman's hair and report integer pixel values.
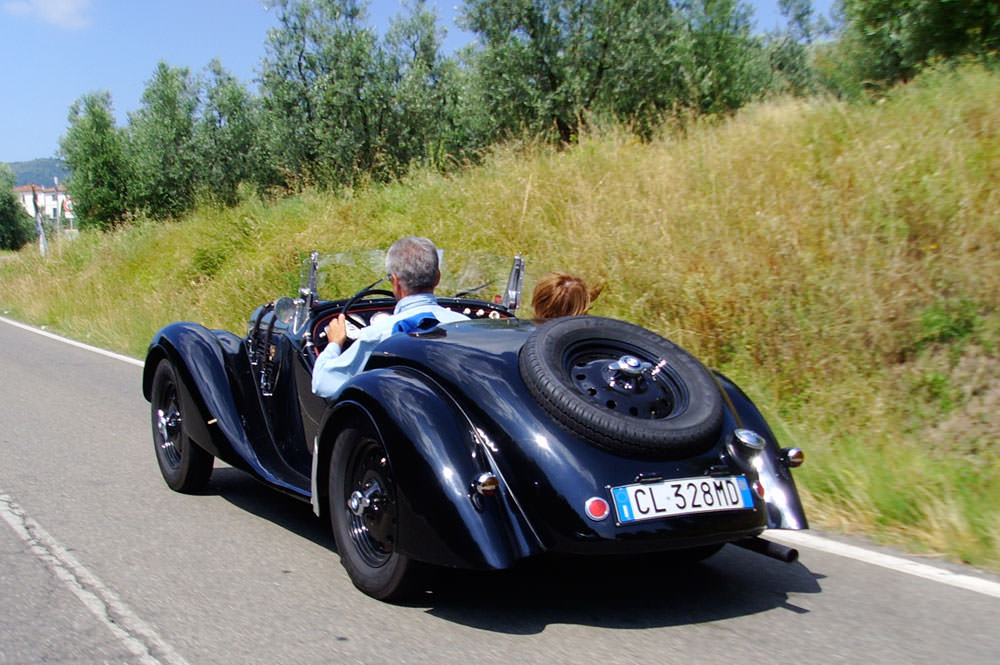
(414, 262)
(562, 294)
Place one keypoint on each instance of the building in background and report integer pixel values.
(53, 202)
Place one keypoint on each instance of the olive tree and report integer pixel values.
(94, 151)
(228, 138)
(324, 107)
(547, 65)
(161, 151)
(893, 38)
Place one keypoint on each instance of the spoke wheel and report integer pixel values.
(364, 516)
(184, 465)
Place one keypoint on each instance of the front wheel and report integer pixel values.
(364, 516)
(185, 466)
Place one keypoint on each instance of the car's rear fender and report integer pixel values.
(435, 455)
(784, 507)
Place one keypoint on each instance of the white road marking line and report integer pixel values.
(792, 538)
(71, 342)
(898, 564)
(136, 635)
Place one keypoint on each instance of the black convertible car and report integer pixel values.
(475, 444)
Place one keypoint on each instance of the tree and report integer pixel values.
(325, 108)
(424, 122)
(893, 38)
(228, 137)
(728, 66)
(15, 223)
(789, 50)
(94, 150)
(161, 150)
(547, 65)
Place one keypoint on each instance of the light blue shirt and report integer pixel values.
(333, 367)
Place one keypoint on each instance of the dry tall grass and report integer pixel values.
(841, 262)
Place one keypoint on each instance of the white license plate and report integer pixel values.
(683, 496)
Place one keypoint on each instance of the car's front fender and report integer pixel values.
(435, 454)
(203, 358)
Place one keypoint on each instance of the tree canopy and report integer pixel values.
(338, 105)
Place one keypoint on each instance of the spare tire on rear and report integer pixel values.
(621, 387)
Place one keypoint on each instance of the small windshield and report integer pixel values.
(467, 274)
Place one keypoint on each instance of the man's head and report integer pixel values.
(412, 262)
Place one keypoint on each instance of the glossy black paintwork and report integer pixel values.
(450, 404)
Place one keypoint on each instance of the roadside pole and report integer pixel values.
(42, 245)
(55, 179)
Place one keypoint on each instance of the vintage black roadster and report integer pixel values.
(475, 444)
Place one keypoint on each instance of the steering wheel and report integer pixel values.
(356, 298)
(322, 341)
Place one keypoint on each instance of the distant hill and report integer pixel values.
(39, 172)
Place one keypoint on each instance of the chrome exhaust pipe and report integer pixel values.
(769, 548)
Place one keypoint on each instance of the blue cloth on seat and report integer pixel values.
(417, 323)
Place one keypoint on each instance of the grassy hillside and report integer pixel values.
(841, 263)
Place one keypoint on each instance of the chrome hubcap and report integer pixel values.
(168, 424)
(359, 501)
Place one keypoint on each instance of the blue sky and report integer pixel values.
(52, 52)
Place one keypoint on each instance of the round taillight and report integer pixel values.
(758, 488)
(597, 508)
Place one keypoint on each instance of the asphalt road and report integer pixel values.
(101, 563)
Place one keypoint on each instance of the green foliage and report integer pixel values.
(94, 149)
(789, 51)
(161, 149)
(228, 138)
(548, 65)
(936, 387)
(322, 92)
(339, 107)
(893, 38)
(948, 321)
(15, 224)
(728, 68)
(424, 114)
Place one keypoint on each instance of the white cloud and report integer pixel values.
(68, 14)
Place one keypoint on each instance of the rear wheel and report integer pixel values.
(185, 466)
(364, 516)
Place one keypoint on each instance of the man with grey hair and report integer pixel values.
(412, 267)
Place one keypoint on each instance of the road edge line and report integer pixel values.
(138, 637)
(73, 342)
(898, 564)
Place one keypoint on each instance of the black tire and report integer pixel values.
(671, 411)
(366, 538)
(185, 466)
